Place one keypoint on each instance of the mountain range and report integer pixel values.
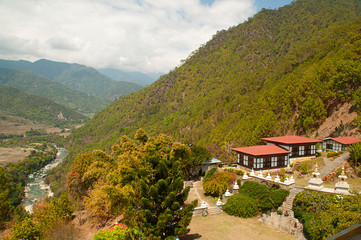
(75, 76)
(40, 109)
(282, 71)
(38, 85)
(133, 77)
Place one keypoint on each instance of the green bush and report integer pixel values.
(305, 166)
(218, 183)
(267, 197)
(27, 229)
(210, 173)
(278, 196)
(239, 172)
(326, 214)
(117, 234)
(241, 206)
(259, 192)
(331, 154)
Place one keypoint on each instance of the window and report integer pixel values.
(274, 161)
(301, 150)
(238, 157)
(313, 149)
(245, 160)
(337, 146)
(260, 162)
(286, 160)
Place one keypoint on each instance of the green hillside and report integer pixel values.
(37, 109)
(282, 71)
(75, 76)
(40, 86)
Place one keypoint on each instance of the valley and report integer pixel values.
(17, 125)
(151, 155)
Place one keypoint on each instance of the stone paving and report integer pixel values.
(331, 165)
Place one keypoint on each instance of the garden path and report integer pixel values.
(197, 189)
(331, 165)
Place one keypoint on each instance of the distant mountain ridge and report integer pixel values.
(283, 71)
(36, 108)
(133, 77)
(76, 76)
(37, 85)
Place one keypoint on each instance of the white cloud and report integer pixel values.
(136, 35)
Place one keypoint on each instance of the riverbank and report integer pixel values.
(36, 187)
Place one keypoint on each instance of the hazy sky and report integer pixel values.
(133, 35)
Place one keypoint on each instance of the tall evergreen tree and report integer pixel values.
(143, 180)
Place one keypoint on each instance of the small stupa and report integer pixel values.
(260, 175)
(292, 180)
(245, 176)
(287, 181)
(235, 187)
(277, 179)
(219, 202)
(342, 186)
(269, 178)
(252, 174)
(315, 181)
(228, 194)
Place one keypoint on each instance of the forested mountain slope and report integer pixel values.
(76, 76)
(36, 108)
(281, 71)
(37, 85)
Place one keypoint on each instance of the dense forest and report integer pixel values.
(13, 178)
(280, 72)
(75, 76)
(38, 109)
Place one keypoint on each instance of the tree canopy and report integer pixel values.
(141, 179)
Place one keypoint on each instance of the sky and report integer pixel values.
(149, 36)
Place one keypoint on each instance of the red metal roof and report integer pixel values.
(288, 140)
(261, 150)
(346, 140)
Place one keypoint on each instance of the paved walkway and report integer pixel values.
(195, 189)
(331, 165)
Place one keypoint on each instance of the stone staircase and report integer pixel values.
(288, 203)
(214, 210)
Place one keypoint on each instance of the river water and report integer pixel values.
(36, 187)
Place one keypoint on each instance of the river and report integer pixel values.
(36, 187)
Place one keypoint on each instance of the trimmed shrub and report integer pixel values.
(278, 196)
(218, 183)
(259, 192)
(210, 173)
(267, 198)
(241, 206)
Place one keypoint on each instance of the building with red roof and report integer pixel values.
(262, 157)
(298, 146)
(339, 143)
